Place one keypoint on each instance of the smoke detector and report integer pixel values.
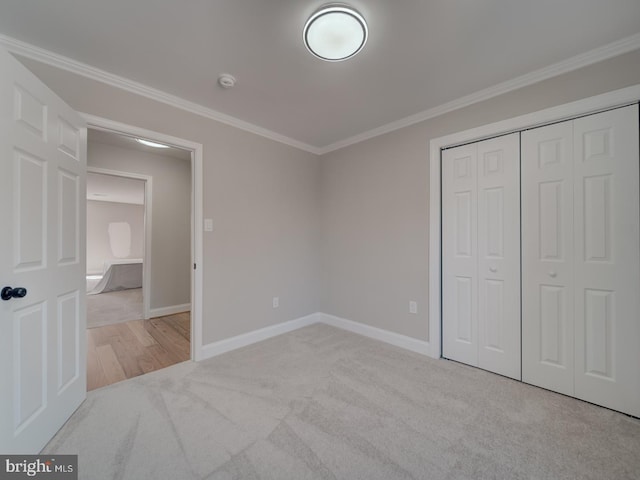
(226, 80)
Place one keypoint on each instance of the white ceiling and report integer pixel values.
(420, 54)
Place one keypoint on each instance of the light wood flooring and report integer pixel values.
(128, 349)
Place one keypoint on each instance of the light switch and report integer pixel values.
(208, 225)
(413, 307)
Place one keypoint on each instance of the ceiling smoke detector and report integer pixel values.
(226, 81)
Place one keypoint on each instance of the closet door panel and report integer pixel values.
(547, 257)
(499, 255)
(607, 259)
(459, 255)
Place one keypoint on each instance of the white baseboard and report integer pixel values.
(402, 341)
(170, 310)
(228, 344)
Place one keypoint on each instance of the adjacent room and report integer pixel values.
(115, 249)
(136, 326)
(287, 240)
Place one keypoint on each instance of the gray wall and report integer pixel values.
(170, 216)
(375, 201)
(347, 233)
(99, 216)
(262, 196)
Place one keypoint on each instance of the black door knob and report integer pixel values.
(8, 293)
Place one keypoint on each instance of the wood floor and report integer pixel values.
(126, 350)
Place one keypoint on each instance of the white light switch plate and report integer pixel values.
(413, 307)
(208, 225)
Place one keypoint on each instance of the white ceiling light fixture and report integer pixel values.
(149, 143)
(335, 32)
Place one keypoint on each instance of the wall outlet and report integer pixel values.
(413, 307)
(208, 225)
(276, 302)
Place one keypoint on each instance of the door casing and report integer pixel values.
(196, 149)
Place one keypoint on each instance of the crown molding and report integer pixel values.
(605, 52)
(32, 52)
(627, 44)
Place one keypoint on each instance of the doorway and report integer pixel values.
(138, 315)
(42, 188)
(117, 246)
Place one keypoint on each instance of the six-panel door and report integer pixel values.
(481, 254)
(42, 248)
(581, 258)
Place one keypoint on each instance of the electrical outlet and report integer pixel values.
(208, 225)
(276, 302)
(413, 307)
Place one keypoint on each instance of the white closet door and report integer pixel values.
(481, 255)
(499, 255)
(607, 259)
(547, 257)
(459, 254)
(581, 258)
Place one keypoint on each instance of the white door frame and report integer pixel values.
(196, 149)
(617, 98)
(146, 261)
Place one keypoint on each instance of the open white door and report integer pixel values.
(42, 249)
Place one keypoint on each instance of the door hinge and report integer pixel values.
(194, 266)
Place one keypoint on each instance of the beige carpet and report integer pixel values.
(114, 307)
(321, 403)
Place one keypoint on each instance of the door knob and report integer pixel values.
(8, 293)
(493, 269)
(552, 274)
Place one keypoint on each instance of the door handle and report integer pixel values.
(493, 269)
(8, 293)
(552, 274)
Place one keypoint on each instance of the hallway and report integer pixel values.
(128, 349)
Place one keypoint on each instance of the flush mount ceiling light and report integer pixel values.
(151, 144)
(335, 32)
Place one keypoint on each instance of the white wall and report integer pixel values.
(99, 242)
(263, 197)
(170, 220)
(375, 201)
